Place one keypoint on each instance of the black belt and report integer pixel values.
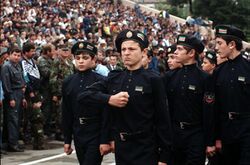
(87, 120)
(237, 115)
(186, 125)
(124, 136)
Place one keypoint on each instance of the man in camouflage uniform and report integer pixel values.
(33, 80)
(44, 63)
(62, 67)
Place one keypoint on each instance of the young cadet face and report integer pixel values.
(207, 66)
(15, 57)
(181, 54)
(172, 64)
(222, 48)
(84, 61)
(132, 54)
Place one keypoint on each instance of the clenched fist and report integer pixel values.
(119, 100)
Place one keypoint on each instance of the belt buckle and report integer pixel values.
(122, 136)
(182, 125)
(231, 115)
(81, 120)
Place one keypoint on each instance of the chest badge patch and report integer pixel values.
(139, 88)
(240, 78)
(192, 87)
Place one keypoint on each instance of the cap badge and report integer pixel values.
(241, 78)
(182, 38)
(169, 50)
(80, 45)
(210, 56)
(222, 31)
(191, 87)
(129, 34)
(140, 36)
(90, 47)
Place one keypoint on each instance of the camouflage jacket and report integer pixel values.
(44, 65)
(60, 69)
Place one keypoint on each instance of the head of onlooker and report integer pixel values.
(15, 55)
(48, 50)
(29, 50)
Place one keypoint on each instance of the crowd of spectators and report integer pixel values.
(64, 22)
(60, 22)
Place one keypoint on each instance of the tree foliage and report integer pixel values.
(235, 12)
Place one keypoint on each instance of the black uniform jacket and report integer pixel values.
(232, 93)
(84, 121)
(146, 110)
(191, 99)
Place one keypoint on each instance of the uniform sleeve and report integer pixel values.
(209, 112)
(53, 78)
(6, 80)
(106, 135)
(162, 120)
(95, 93)
(44, 68)
(216, 108)
(67, 116)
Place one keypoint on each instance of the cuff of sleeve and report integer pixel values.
(164, 156)
(67, 140)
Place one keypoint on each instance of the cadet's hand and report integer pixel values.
(55, 98)
(161, 163)
(218, 145)
(32, 94)
(1, 103)
(24, 89)
(67, 149)
(112, 145)
(12, 103)
(37, 105)
(210, 151)
(104, 149)
(24, 103)
(119, 100)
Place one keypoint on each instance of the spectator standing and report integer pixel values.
(14, 86)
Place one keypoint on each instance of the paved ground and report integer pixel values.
(53, 155)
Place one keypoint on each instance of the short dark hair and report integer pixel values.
(46, 48)
(28, 46)
(196, 55)
(15, 49)
(228, 39)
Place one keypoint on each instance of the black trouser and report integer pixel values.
(236, 153)
(215, 160)
(88, 154)
(136, 151)
(188, 147)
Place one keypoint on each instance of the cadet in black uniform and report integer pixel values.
(232, 95)
(141, 124)
(190, 102)
(209, 62)
(172, 64)
(83, 121)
